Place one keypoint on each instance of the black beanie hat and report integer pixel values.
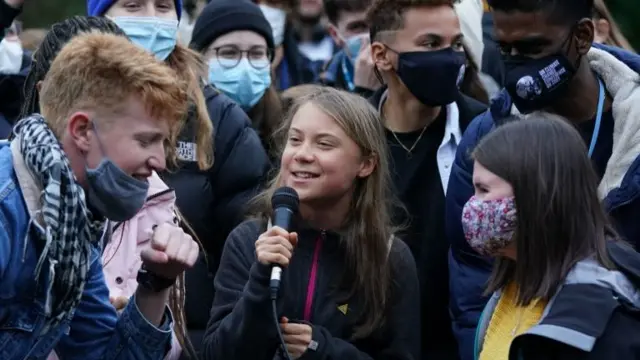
(223, 16)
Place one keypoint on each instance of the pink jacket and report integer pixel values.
(121, 257)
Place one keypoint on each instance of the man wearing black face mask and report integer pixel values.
(551, 66)
(416, 46)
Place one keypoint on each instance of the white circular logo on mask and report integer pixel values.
(528, 88)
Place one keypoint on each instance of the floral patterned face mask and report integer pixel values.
(489, 224)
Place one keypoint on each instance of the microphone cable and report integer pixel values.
(274, 308)
(284, 202)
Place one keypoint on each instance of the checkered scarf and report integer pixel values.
(69, 231)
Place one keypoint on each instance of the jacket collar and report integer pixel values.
(27, 182)
(578, 315)
(580, 311)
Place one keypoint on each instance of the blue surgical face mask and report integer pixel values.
(112, 192)
(243, 83)
(156, 35)
(353, 45)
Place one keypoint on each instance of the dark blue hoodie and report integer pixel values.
(469, 271)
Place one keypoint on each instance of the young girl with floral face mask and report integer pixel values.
(558, 260)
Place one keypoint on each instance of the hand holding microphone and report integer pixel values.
(275, 246)
(285, 203)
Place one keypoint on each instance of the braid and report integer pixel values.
(53, 42)
(176, 304)
(177, 296)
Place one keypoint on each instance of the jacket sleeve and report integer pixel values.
(7, 15)
(468, 271)
(121, 256)
(401, 337)
(241, 325)
(96, 331)
(241, 165)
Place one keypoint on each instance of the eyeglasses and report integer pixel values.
(229, 56)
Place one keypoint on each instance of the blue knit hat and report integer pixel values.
(99, 7)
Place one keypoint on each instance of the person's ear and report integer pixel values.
(335, 35)
(584, 34)
(39, 86)
(379, 55)
(367, 166)
(603, 31)
(78, 128)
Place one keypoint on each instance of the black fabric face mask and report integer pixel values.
(433, 77)
(535, 84)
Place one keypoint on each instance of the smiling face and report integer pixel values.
(320, 161)
(131, 138)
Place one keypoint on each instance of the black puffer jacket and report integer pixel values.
(213, 202)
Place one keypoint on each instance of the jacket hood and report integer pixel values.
(159, 192)
(590, 272)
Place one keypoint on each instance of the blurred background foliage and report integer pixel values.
(43, 13)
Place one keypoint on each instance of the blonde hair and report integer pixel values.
(192, 69)
(368, 228)
(292, 94)
(615, 38)
(101, 72)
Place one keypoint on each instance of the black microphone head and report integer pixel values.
(285, 197)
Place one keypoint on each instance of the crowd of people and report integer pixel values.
(466, 177)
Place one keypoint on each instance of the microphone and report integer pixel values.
(285, 203)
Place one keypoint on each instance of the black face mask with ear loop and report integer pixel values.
(433, 77)
(534, 84)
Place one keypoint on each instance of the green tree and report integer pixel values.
(626, 13)
(44, 13)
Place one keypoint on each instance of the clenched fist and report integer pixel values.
(171, 251)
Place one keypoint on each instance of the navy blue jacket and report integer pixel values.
(468, 271)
